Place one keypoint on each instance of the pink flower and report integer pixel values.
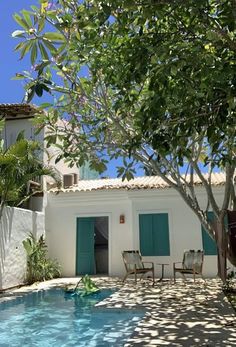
(50, 6)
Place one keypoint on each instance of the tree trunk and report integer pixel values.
(232, 236)
(1, 209)
(222, 245)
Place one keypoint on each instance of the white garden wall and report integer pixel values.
(184, 227)
(15, 226)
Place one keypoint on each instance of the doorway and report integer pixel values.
(92, 239)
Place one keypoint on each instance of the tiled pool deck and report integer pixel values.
(182, 314)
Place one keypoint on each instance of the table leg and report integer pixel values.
(162, 272)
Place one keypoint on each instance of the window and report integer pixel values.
(209, 245)
(154, 234)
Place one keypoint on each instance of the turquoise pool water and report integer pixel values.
(51, 318)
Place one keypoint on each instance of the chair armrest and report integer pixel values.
(177, 262)
(148, 262)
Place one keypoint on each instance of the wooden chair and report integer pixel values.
(192, 264)
(134, 265)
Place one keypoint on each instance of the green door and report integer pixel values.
(85, 246)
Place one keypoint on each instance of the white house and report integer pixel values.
(88, 225)
(90, 222)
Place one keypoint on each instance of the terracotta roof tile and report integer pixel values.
(12, 111)
(147, 182)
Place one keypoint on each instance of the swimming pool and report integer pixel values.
(51, 318)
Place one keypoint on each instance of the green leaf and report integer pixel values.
(106, 9)
(34, 53)
(20, 136)
(50, 46)
(28, 247)
(39, 90)
(19, 46)
(40, 67)
(43, 51)
(25, 49)
(54, 36)
(45, 87)
(41, 24)
(52, 15)
(62, 48)
(35, 8)
(58, 158)
(51, 139)
(45, 105)
(128, 175)
(30, 93)
(18, 76)
(27, 18)
(21, 21)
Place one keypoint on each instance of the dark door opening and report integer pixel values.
(101, 245)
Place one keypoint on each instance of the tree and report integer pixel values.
(160, 90)
(19, 165)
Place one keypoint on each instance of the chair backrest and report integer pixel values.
(132, 259)
(193, 259)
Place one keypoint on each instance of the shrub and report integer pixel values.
(39, 266)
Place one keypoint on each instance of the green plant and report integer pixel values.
(20, 163)
(89, 287)
(229, 288)
(39, 266)
(230, 285)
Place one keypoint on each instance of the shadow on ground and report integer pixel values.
(182, 314)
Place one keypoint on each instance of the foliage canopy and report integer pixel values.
(161, 77)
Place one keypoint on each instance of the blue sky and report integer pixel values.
(12, 91)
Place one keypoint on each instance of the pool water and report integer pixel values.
(53, 318)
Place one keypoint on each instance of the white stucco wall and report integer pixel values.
(184, 227)
(15, 226)
(61, 214)
(14, 126)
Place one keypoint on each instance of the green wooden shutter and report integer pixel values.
(209, 245)
(161, 234)
(154, 234)
(146, 234)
